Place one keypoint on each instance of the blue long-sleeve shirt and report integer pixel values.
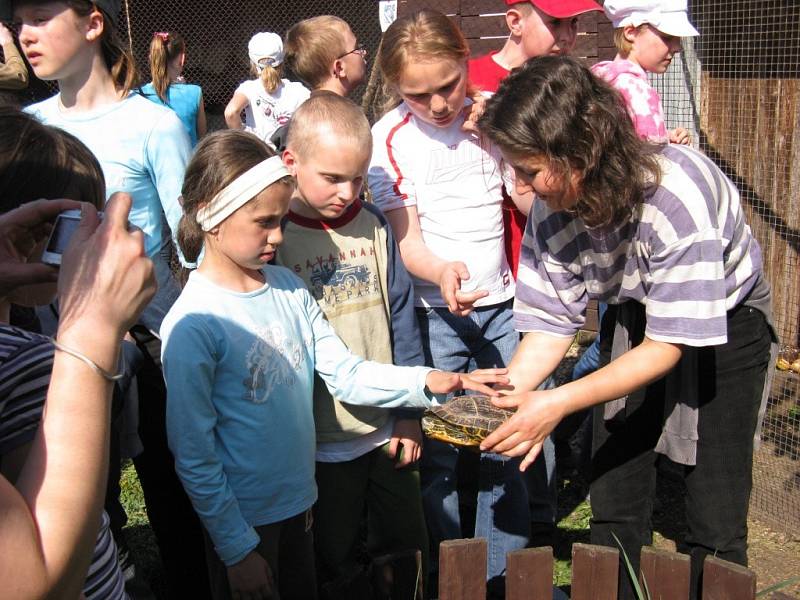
(239, 370)
(143, 150)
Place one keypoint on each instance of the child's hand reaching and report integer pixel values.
(407, 441)
(459, 303)
(473, 112)
(444, 382)
(251, 578)
(679, 135)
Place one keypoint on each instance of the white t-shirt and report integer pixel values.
(456, 184)
(266, 112)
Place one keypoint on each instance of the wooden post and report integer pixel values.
(595, 572)
(529, 574)
(462, 569)
(665, 573)
(723, 580)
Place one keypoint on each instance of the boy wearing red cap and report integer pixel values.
(536, 28)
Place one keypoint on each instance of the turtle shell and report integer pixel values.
(464, 420)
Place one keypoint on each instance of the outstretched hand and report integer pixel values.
(537, 414)
(444, 382)
(459, 303)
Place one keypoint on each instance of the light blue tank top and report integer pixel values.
(184, 99)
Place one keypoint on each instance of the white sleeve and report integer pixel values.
(390, 178)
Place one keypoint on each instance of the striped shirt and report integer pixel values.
(26, 362)
(686, 254)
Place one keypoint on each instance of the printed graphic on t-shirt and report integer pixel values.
(343, 282)
(266, 105)
(273, 359)
(451, 163)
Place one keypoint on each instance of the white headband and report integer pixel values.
(240, 191)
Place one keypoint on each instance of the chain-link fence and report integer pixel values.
(736, 89)
(217, 35)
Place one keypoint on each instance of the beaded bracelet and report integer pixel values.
(95, 367)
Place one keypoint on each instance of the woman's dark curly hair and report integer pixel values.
(554, 107)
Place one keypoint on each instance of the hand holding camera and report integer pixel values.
(22, 232)
(106, 279)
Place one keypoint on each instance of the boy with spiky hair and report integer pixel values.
(344, 250)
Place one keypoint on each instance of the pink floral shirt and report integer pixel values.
(643, 102)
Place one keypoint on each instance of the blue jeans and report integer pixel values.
(486, 338)
(590, 359)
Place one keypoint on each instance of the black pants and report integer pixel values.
(288, 548)
(730, 380)
(175, 524)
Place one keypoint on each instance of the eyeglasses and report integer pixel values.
(361, 50)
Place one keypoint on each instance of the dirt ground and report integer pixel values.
(774, 551)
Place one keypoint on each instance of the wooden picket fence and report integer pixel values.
(529, 574)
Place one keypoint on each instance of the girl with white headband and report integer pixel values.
(267, 100)
(241, 347)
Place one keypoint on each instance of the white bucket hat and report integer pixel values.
(668, 16)
(265, 48)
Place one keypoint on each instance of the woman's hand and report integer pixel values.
(251, 578)
(106, 279)
(22, 230)
(444, 382)
(459, 303)
(537, 414)
(407, 441)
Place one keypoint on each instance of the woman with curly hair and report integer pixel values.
(658, 233)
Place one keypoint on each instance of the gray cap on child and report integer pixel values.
(668, 16)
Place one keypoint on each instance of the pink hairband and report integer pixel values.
(163, 35)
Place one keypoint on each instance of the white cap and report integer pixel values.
(668, 16)
(265, 48)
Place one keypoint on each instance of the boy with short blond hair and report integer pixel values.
(324, 54)
(344, 250)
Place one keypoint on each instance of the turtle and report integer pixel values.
(464, 420)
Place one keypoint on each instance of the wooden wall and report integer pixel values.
(761, 153)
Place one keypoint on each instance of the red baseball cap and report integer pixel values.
(562, 9)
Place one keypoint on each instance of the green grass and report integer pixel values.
(139, 536)
(572, 527)
(131, 496)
